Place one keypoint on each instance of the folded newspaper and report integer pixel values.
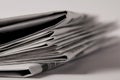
(31, 44)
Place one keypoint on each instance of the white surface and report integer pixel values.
(102, 65)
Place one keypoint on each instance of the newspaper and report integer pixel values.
(31, 44)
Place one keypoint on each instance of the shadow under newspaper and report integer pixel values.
(100, 60)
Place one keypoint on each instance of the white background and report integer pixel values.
(101, 65)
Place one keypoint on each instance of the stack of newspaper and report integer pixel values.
(31, 44)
